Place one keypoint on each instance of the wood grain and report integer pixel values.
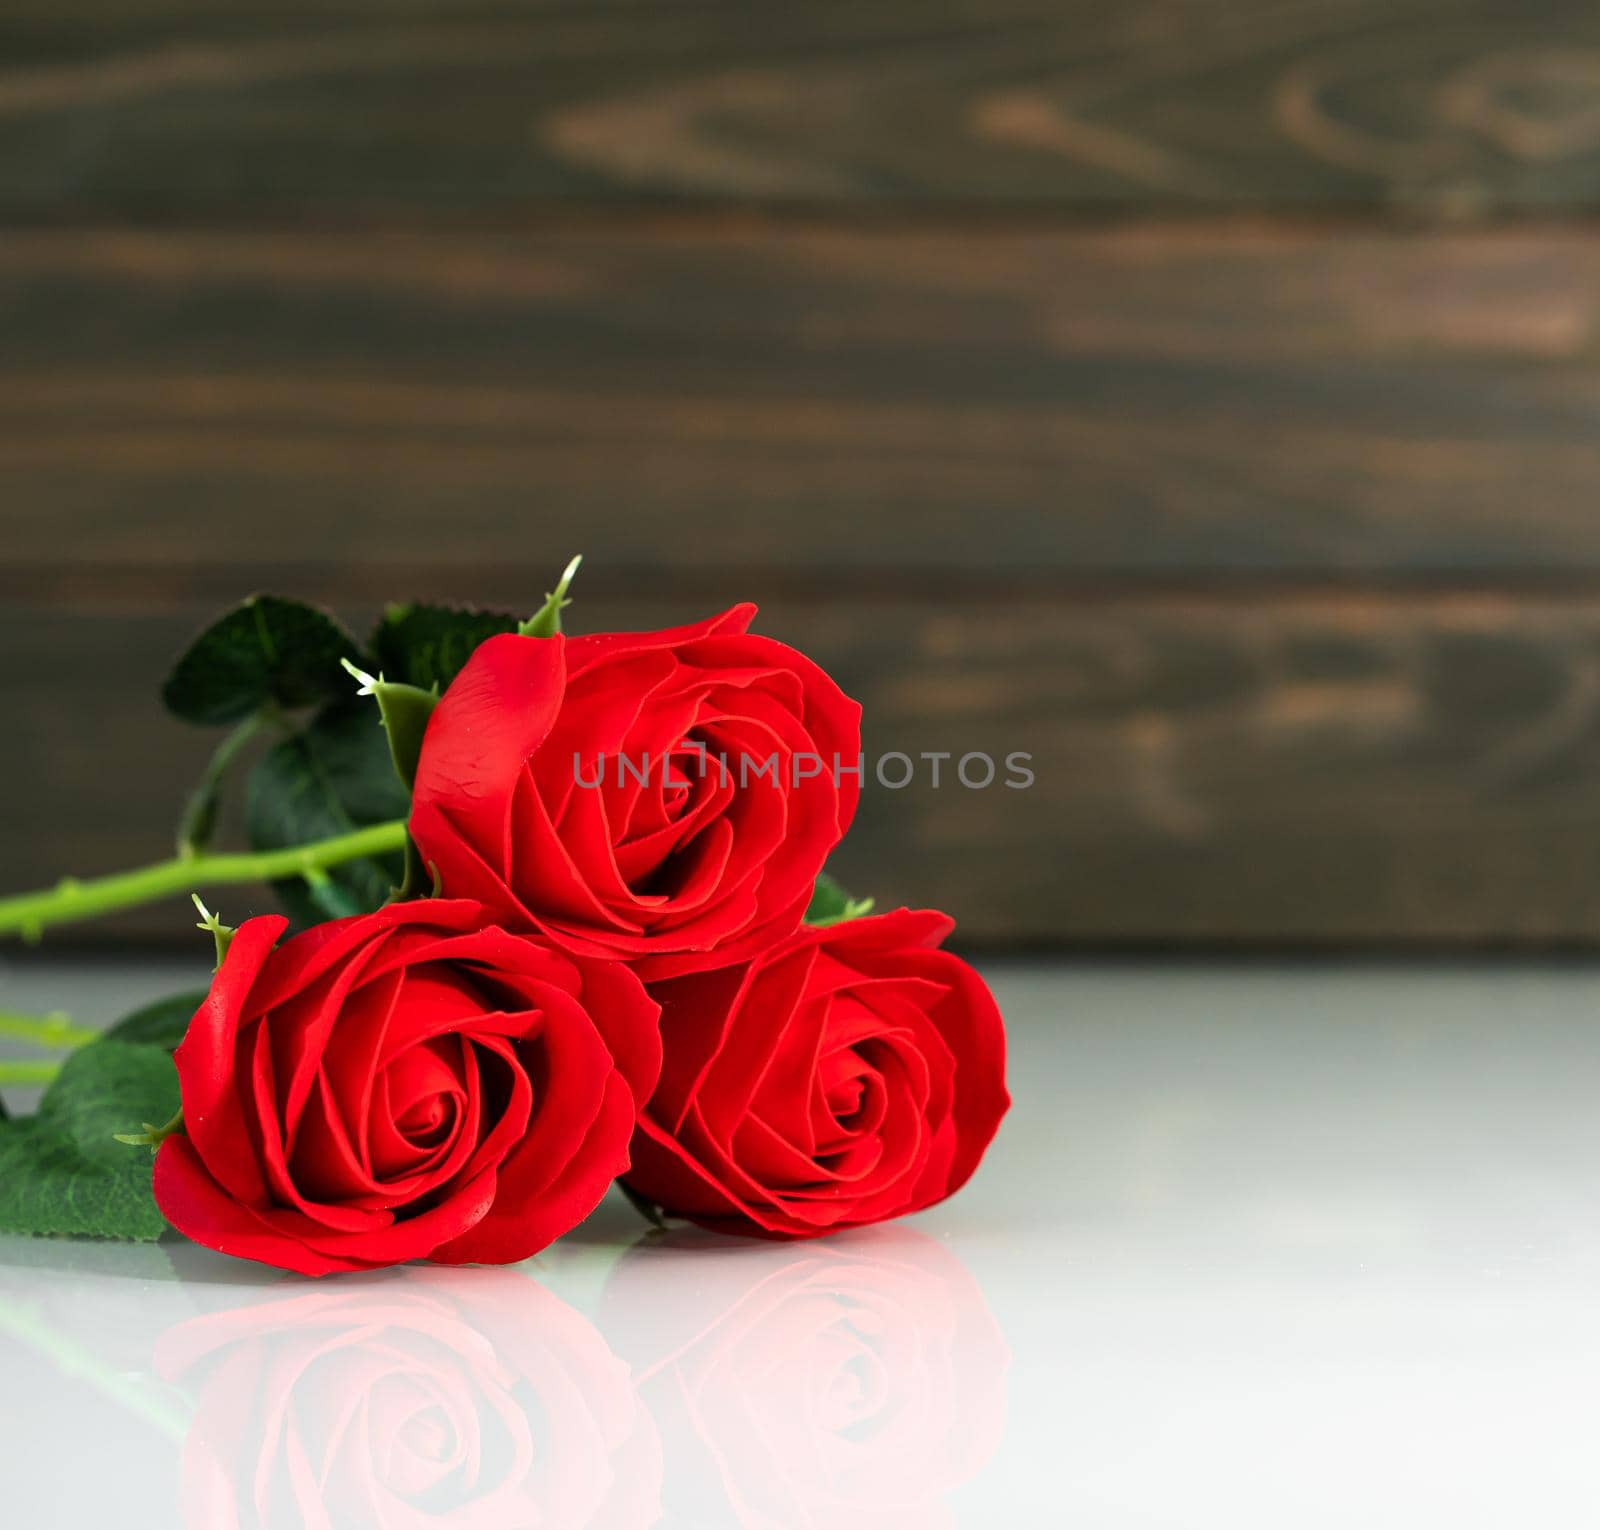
(744, 402)
(1274, 543)
(354, 107)
(1376, 768)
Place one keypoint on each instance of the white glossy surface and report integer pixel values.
(1257, 1247)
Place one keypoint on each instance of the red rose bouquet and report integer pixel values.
(563, 922)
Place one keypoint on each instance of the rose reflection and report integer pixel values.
(459, 1399)
(844, 1384)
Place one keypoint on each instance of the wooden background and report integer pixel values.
(1201, 395)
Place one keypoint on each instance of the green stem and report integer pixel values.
(200, 813)
(147, 1400)
(52, 1030)
(27, 1074)
(29, 913)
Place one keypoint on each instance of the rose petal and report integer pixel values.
(205, 1059)
(517, 1229)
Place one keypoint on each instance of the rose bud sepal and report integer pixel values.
(546, 621)
(404, 711)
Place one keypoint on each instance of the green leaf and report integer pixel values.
(426, 645)
(332, 776)
(62, 1172)
(161, 1024)
(322, 897)
(268, 650)
(48, 1189)
(831, 904)
(200, 813)
(102, 1090)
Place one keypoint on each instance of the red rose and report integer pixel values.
(851, 1384)
(401, 1085)
(667, 798)
(852, 1073)
(467, 1407)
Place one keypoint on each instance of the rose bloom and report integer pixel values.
(479, 1404)
(400, 1085)
(529, 796)
(851, 1384)
(854, 1072)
